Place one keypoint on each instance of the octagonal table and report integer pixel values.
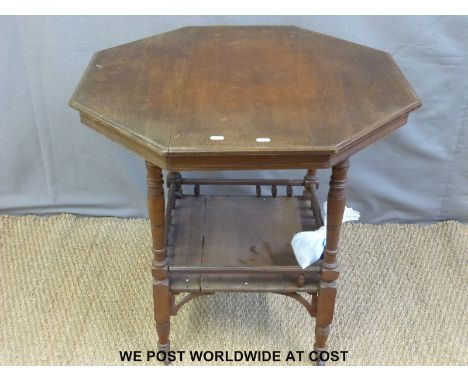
(243, 98)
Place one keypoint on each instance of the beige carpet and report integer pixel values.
(75, 291)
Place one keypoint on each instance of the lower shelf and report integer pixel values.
(228, 231)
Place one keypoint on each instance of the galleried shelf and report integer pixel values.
(226, 243)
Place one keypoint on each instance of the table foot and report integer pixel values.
(320, 363)
(165, 348)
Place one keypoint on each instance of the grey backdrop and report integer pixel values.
(51, 163)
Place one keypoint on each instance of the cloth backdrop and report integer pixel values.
(50, 163)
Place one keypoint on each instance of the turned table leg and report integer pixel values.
(175, 177)
(330, 273)
(161, 294)
(310, 185)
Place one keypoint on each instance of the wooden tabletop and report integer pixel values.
(235, 97)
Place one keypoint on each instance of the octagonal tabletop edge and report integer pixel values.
(243, 90)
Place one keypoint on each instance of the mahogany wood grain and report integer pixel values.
(327, 291)
(161, 293)
(279, 96)
(206, 233)
(185, 241)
